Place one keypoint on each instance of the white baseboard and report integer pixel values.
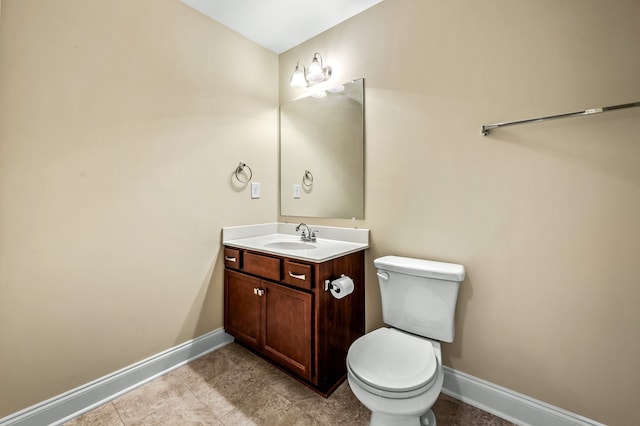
(68, 405)
(507, 404)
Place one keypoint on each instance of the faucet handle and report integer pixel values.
(312, 237)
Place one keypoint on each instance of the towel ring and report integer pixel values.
(307, 178)
(240, 169)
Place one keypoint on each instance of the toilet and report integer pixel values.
(396, 371)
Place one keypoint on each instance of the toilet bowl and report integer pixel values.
(396, 371)
(396, 375)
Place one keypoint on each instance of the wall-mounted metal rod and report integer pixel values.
(488, 127)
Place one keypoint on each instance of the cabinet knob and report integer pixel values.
(260, 292)
(230, 259)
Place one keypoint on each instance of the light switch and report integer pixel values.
(296, 191)
(255, 190)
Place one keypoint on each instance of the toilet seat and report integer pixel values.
(392, 363)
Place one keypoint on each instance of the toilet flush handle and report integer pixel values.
(383, 275)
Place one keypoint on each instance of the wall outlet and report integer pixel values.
(296, 191)
(255, 190)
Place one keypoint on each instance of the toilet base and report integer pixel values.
(428, 419)
(382, 419)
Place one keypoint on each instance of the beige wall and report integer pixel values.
(545, 217)
(121, 122)
(120, 125)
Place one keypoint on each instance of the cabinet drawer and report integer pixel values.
(232, 258)
(264, 266)
(297, 274)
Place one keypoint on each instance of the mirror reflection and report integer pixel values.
(322, 154)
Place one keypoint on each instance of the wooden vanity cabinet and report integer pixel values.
(278, 307)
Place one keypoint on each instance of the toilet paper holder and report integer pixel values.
(328, 284)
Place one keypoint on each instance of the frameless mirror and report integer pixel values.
(322, 154)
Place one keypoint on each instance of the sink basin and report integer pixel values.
(289, 245)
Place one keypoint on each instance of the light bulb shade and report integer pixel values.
(297, 78)
(314, 73)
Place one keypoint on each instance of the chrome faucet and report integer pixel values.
(307, 235)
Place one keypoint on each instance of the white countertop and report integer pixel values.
(281, 239)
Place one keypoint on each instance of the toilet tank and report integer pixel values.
(419, 296)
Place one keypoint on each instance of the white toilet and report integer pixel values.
(397, 372)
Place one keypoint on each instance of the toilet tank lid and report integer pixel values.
(421, 267)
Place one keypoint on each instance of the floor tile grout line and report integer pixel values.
(117, 413)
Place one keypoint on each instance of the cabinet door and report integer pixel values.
(242, 307)
(287, 328)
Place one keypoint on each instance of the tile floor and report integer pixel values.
(232, 386)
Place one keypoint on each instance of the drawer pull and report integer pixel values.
(230, 259)
(302, 277)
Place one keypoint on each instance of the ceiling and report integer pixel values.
(280, 25)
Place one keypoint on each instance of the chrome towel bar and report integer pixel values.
(488, 127)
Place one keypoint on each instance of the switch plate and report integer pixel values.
(296, 191)
(255, 190)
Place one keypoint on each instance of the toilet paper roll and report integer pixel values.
(342, 287)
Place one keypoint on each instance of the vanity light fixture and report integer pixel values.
(297, 78)
(316, 73)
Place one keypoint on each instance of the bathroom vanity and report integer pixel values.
(277, 300)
